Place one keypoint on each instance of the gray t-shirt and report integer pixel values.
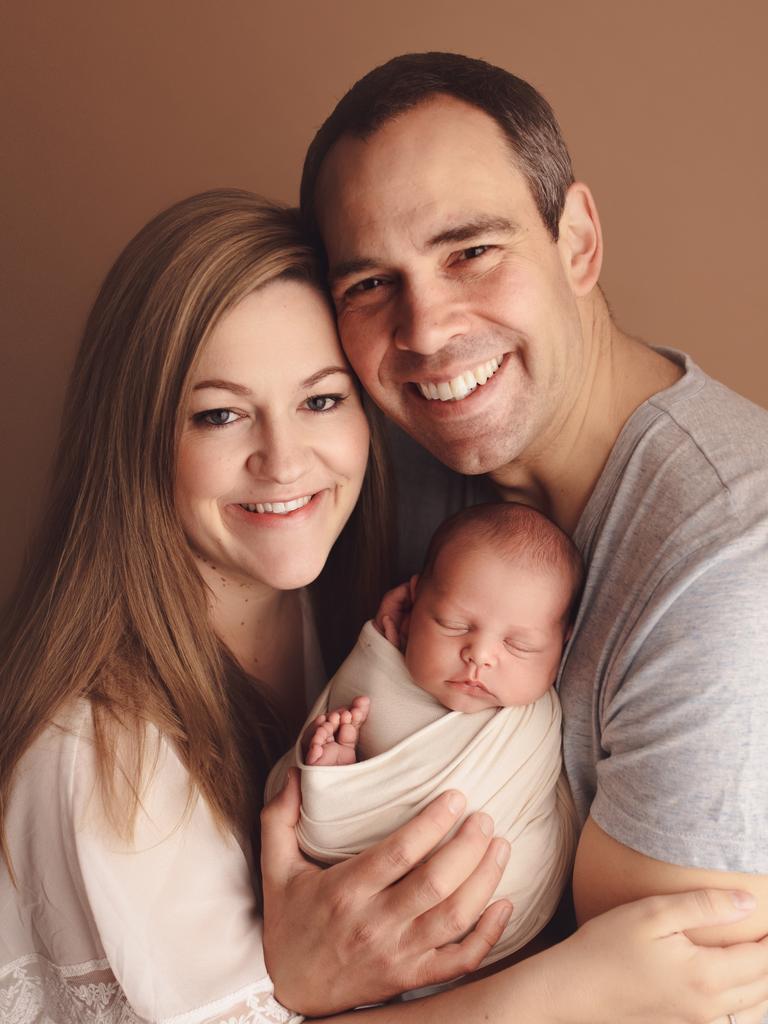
(664, 685)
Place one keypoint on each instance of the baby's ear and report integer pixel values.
(412, 584)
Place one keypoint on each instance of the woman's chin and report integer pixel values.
(291, 577)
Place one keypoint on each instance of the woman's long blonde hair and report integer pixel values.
(110, 606)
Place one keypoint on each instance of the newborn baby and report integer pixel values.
(469, 705)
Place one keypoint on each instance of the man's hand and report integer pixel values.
(398, 916)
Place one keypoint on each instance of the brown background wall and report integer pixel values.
(115, 108)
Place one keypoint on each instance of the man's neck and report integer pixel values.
(620, 373)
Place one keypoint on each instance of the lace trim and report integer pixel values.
(35, 991)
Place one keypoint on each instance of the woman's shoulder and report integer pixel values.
(59, 780)
(45, 771)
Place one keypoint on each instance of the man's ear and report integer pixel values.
(413, 582)
(580, 240)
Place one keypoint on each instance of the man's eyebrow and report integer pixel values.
(463, 232)
(472, 229)
(348, 267)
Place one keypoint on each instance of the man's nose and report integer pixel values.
(429, 317)
(279, 454)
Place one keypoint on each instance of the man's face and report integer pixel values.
(453, 300)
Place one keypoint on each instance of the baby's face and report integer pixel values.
(486, 631)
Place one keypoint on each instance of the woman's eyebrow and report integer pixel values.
(241, 389)
(325, 372)
(223, 385)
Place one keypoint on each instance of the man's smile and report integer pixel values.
(457, 388)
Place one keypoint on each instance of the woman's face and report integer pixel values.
(274, 441)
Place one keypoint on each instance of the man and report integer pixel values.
(464, 263)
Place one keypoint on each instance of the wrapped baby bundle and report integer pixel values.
(506, 761)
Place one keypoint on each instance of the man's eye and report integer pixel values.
(323, 403)
(368, 284)
(473, 252)
(216, 417)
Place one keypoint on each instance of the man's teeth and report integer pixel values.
(463, 385)
(280, 507)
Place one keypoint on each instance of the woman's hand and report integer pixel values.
(634, 964)
(398, 916)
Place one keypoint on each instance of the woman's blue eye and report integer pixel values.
(323, 403)
(215, 417)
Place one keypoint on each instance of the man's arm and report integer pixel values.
(348, 936)
(607, 874)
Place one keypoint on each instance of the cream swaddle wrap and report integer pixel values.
(506, 761)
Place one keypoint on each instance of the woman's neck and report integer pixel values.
(263, 629)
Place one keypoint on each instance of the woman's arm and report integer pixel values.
(387, 921)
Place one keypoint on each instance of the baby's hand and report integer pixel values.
(332, 738)
(393, 617)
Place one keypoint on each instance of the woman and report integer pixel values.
(159, 652)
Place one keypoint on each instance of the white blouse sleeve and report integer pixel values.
(173, 907)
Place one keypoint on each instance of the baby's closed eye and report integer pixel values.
(453, 628)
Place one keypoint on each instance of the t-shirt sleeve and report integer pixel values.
(684, 723)
(174, 906)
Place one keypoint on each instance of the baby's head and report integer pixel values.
(493, 607)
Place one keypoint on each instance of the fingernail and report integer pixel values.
(485, 824)
(502, 853)
(743, 900)
(455, 803)
(505, 914)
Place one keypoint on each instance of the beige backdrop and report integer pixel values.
(113, 109)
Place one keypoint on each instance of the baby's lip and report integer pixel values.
(476, 683)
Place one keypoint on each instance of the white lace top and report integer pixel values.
(100, 931)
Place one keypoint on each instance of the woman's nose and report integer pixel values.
(279, 455)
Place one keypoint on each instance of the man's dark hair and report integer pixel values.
(524, 116)
(517, 533)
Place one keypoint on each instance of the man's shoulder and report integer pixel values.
(691, 462)
(724, 428)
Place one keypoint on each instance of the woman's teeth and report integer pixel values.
(463, 385)
(280, 507)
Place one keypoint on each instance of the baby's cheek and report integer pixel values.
(421, 659)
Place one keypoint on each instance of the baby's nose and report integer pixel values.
(480, 653)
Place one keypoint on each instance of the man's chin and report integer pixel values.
(469, 458)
